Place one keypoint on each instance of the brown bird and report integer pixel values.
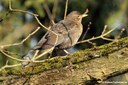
(69, 31)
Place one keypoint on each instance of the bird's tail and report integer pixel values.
(29, 55)
(41, 45)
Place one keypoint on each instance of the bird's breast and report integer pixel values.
(72, 37)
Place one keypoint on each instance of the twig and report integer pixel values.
(93, 44)
(15, 44)
(9, 66)
(36, 53)
(47, 51)
(17, 10)
(48, 13)
(48, 29)
(66, 7)
(101, 36)
(105, 27)
(88, 28)
(36, 17)
(20, 60)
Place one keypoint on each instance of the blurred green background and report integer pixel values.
(15, 26)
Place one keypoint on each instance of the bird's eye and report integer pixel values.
(78, 17)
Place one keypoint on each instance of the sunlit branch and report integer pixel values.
(9, 56)
(45, 52)
(88, 28)
(35, 15)
(36, 53)
(9, 66)
(15, 44)
(18, 10)
(101, 36)
(66, 8)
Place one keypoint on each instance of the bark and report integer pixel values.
(88, 66)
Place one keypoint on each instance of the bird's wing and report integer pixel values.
(49, 40)
(40, 43)
(63, 27)
(60, 30)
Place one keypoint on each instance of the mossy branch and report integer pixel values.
(97, 64)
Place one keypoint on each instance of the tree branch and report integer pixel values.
(87, 66)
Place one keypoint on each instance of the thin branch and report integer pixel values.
(66, 7)
(17, 10)
(108, 39)
(9, 66)
(101, 36)
(20, 60)
(15, 44)
(35, 15)
(44, 26)
(88, 28)
(48, 13)
(105, 27)
(10, 5)
(47, 51)
(36, 53)
(93, 44)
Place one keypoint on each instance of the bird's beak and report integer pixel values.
(85, 13)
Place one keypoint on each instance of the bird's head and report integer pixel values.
(76, 16)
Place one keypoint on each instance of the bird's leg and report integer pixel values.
(68, 53)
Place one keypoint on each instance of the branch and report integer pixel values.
(97, 64)
(9, 66)
(66, 7)
(35, 16)
(103, 34)
(15, 44)
(48, 13)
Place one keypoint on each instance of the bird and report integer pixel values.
(68, 32)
